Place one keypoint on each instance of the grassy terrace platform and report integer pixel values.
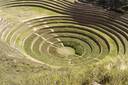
(62, 42)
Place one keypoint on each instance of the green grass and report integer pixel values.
(17, 69)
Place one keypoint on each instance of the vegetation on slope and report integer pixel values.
(34, 33)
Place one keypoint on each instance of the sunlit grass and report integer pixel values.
(16, 69)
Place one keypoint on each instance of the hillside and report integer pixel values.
(62, 42)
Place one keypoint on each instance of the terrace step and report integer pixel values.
(92, 33)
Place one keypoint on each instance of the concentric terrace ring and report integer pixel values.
(78, 36)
